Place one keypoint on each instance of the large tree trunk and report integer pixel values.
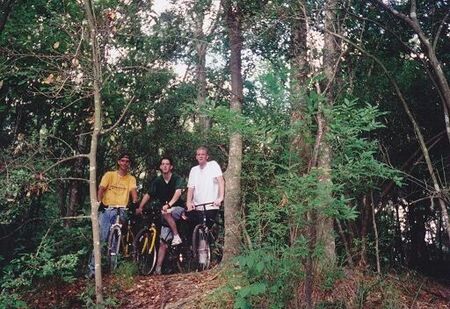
(300, 148)
(325, 233)
(233, 210)
(97, 83)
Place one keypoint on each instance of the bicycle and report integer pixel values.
(206, 239)
(144, 245)
(118, 242)
(179, 257)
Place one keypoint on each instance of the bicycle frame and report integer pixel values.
(144, 247)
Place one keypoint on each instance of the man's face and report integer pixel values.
(165, 166)
(124, 163)
(201, 156)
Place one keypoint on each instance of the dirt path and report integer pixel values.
(164, 291)
(170, 291)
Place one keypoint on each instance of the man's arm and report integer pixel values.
(190, 195)
(221, 182)
(134, 195)
(100, 193)
(144, 201)
(173, 200)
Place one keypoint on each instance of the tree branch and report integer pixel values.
(120, 118)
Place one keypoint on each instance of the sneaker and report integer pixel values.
(176, 240)
(157, 271)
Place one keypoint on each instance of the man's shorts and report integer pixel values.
(166, 232)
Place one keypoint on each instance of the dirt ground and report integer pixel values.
(187, 290)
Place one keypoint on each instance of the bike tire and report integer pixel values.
(114, 239)
(127, 244)
(144, 249)
(200, 247)
(216, 240)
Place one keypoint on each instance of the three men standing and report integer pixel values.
(206, 185)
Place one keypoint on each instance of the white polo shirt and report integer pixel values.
(205, 183)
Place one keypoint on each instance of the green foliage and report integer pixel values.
(355, 165)
(23, 271)
(88, 299)
(279, 199)
(271, 273)
(11, 300)
(126, 272)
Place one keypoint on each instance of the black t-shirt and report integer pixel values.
(162, 192)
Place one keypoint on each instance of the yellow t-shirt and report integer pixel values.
(117, 188)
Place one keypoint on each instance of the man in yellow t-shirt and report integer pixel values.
(114, 192)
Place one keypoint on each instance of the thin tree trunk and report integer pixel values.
(97, 84)
(364, 231)
(375, 232)
(233, 174)
(200, 47)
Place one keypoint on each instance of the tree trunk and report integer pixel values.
(233, 174)
(300, 148)
(97, 84)
(325, 233)
(200, 48)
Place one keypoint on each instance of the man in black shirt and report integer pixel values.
(166, 190)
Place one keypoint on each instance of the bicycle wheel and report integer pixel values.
(127, 244)
(144, 249)
(113, 247)
(216, 239)
(200, 247)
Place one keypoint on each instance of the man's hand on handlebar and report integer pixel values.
(218, 202)
(190, 206)
(165, 208)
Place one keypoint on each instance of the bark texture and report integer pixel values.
(96, 89)
(233, 210)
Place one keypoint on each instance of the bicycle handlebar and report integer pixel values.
(204, 204)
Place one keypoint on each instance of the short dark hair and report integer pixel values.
(165, 158)
(124, 155)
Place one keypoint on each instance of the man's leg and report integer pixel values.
(161, 255)
(104, 220)
(171, 222)
(171, 218)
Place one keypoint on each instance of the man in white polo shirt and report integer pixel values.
(205, 185)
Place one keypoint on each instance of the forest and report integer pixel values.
(329, 119)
